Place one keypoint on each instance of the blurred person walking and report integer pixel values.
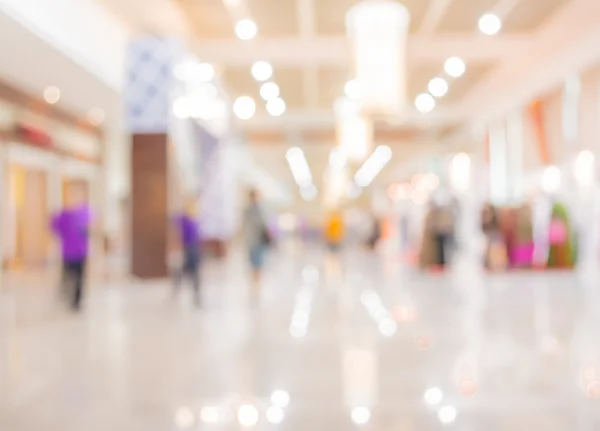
(258, 238)
(72, 226)
(189, 235)
(443, 233)
(334, 232)
(376, 232)
(495, 257)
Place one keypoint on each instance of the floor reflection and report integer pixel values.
(344, 342)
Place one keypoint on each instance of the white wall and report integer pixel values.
(83, 30)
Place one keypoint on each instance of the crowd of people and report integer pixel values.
(514, 238)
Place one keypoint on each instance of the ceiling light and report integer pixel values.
(269, 90)
(247, 415)
(294, 153)
(262, 70)
(447, 415)
(276, 107)
(244, 107)
(182, 107)
(337, 159)
(192, 70)
(438, 87)
(388, 327)
(210, 415)
(246, 29)
(96, 116)
(275, 415)
(52, 94)
(309, 193)
(433, 396)
(376, 30)
(551, 179)
(373, 165)
(280, 398)
(425, 103)
(455, 67)
(351, 89)
(360, 415)
(490, 24)
(584, 168)
(204, 72)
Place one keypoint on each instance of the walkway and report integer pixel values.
(374, 343)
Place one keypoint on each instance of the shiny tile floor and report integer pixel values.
(354, 343)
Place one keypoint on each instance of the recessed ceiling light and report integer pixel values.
(433, 396)
(447, 415)
(280, 398)
(191, 70)
(262, 70)
(247, 415)
(425, 103)
(52, 94)
(276, 107)
(96, 116)
(269, 90)
(490, 24)
(438, 87)
(205, 72)
(275, 415)
(351, 89)
(244, 107)
(182, 107)
(246, 29)
(360, 415)
(455, 67)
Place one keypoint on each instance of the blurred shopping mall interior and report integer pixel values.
(383, 214)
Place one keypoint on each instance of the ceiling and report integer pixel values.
(305, 42)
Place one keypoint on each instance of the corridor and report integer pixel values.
(364, 343)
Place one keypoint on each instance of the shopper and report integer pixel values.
(523, 251)
(428, 246)
(72, 226)
(257, 236)
(443, 231)
(334, 232)
(495, 253)
(189, 234)
(375, 234)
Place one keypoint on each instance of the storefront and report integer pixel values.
(46, 158)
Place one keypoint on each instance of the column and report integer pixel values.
(498, 163)
(515, 133)
(4, 196)
(151, 62)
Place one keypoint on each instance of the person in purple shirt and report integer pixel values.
(189, 234)
(71, 225)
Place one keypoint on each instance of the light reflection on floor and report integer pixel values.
(356, 342)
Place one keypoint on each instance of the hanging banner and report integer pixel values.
(536, 116)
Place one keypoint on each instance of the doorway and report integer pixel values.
(29, 244)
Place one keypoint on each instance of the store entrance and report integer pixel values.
(29, 218)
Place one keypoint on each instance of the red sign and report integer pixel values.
(34, 136)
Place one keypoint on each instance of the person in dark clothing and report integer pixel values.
(189, 233)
